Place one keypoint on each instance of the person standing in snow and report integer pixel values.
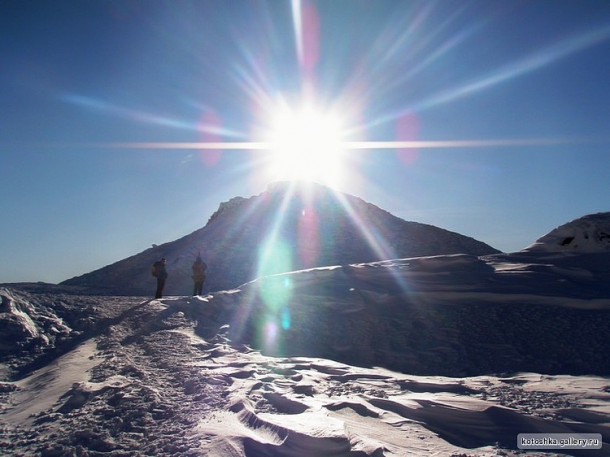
(199, 268)
(161, 274)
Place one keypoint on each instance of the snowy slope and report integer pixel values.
(452, 315)
(587, 234)
(285, 228)
(150, 384)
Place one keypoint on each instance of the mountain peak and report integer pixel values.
(277, 189)
(224, 207)
(286, 228)
(588, 234)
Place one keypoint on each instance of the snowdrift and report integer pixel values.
(450, 315)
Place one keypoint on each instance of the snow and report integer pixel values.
(226, 401)
(45, 387)
(448, 355)
(179, 376)
(587, 234)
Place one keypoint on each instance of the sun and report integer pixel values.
(306, 144)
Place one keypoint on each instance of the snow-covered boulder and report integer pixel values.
(588, 234)
(40, 326)
(18, 327)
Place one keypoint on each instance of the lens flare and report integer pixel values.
(274, 257)
(407, 129)
(286, 321)
(308, 238)
(270, 336)
(210, 128)
(305, 144)
(275, 290)
(307, 35)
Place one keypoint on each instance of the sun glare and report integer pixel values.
(306, 145)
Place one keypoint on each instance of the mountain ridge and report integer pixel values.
(285, 228)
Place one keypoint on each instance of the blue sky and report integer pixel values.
(88, 88)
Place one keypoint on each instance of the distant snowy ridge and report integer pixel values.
(588, 234)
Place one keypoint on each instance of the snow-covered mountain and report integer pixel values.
(447, 355)
(285, 228)
(587, 234)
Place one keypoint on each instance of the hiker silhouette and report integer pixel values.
(199, 268)
(160, 273)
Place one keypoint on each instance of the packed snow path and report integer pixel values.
(148, 385)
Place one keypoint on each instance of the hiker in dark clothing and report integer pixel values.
(161, 273)
(199, 268)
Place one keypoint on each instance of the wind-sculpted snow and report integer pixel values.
(149, 385)
(36, 327)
